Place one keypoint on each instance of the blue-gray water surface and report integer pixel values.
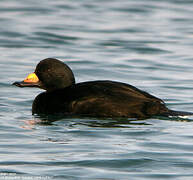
(148, 44)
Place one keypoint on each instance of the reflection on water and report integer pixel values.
(98, 122)
(145, 43)
(91, 122)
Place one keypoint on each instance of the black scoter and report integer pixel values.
(102, 98)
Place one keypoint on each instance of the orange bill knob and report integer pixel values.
(31, 78)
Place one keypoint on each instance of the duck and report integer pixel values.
(101, 98)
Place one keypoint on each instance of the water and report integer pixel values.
(144, 43)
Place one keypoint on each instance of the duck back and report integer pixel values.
(99, 99)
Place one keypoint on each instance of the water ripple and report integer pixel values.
(146, 44)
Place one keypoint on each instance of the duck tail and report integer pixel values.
(177, 113)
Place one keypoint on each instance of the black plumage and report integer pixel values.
(92, 98)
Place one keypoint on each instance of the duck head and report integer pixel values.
(50, 74)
